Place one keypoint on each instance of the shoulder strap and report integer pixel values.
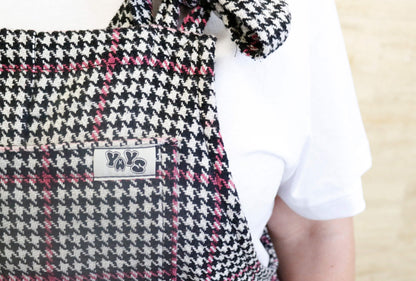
(196, 20)
(258, 27)
(139, 12)
(168, 14)
(131, 13)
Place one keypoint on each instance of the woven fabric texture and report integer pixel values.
(258, 27)
(63, 96)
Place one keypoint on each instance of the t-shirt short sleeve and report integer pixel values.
(326, 182)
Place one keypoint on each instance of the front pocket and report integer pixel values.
(59, 219)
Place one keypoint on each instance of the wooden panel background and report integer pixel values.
(380, 36)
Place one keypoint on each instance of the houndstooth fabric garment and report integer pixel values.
(112, 165)
(258, 27)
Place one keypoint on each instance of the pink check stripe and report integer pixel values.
(138, 60)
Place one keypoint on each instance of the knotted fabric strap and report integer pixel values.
(190, 3)
(258, 27)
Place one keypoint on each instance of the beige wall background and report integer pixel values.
(380, 36)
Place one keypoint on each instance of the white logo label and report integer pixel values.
(124, 162)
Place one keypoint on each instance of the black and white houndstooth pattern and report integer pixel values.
(63, 95)
(258, 27)
(126, 16)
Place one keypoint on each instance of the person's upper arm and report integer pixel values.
(326, 184)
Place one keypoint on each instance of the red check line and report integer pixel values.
(219, 165)
(47, 210)
(233, 277)
(112, 276)
(102, 276)
(175, 218)
(111, 62)
(105, 89)
(254, 45)
(217, 219)
(214, 236)
(165, 64)
(58, 178)
(190, 18)
(195, 177)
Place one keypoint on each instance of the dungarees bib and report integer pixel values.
(112, 165)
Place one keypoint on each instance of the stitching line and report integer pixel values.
(112, 61)
(92, 276)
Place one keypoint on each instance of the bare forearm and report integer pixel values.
(313, 250)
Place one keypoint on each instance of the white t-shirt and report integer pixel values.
(290, 123)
